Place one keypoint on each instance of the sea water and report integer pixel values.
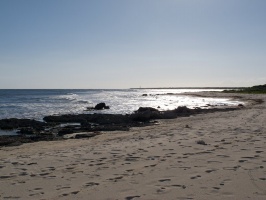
(35, 104)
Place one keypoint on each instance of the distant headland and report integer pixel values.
(225, 88)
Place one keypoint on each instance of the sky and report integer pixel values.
(119, 44)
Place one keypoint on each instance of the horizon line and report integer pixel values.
(230, 87)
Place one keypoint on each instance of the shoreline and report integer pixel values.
(163, 161)
(59, 127)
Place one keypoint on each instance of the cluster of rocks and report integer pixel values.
(55, 127)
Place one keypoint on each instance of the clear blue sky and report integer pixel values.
(132, 43)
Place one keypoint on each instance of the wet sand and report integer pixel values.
(218, 155)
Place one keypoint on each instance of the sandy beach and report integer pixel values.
(218, 155)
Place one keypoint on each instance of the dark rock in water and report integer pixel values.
(26, 131)
(86, 119)
(240, 105)
(90, 108)
(13, 123)
(32, 131)
(144, 95)
(64, 119)
(101, 106)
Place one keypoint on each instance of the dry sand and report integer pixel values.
(157, 162)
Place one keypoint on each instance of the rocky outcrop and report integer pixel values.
(145, 114)
(55, 127)
(13, 123)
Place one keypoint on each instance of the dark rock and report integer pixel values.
(32, 131)
(141, 116)
(143, 109)
(65, 131)
(181, 110)
(85, 124)
(65, 119)
(101, 106)
(169, 114)
(14, 123)
(144, 95)
(26, 131)
(144, 114)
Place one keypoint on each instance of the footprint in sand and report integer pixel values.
(195, 177)
(132, 197)
(181, 186)
(164, 180)
(210, 170)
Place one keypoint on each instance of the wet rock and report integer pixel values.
(26, 131)
(144, 114)
(14, 123)
(181, 110)
(65, 131)
(65, 119)
(143, 109)
(90, 108)
(101, 106)
(32, 131)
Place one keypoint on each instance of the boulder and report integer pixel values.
(101, 106)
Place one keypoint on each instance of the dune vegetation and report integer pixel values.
(257, 89)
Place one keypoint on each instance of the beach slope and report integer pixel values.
(219, 155)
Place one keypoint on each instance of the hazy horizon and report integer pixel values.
(102, 44)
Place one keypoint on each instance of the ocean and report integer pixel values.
(35, 104)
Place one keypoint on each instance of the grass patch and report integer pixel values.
(257, 89)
